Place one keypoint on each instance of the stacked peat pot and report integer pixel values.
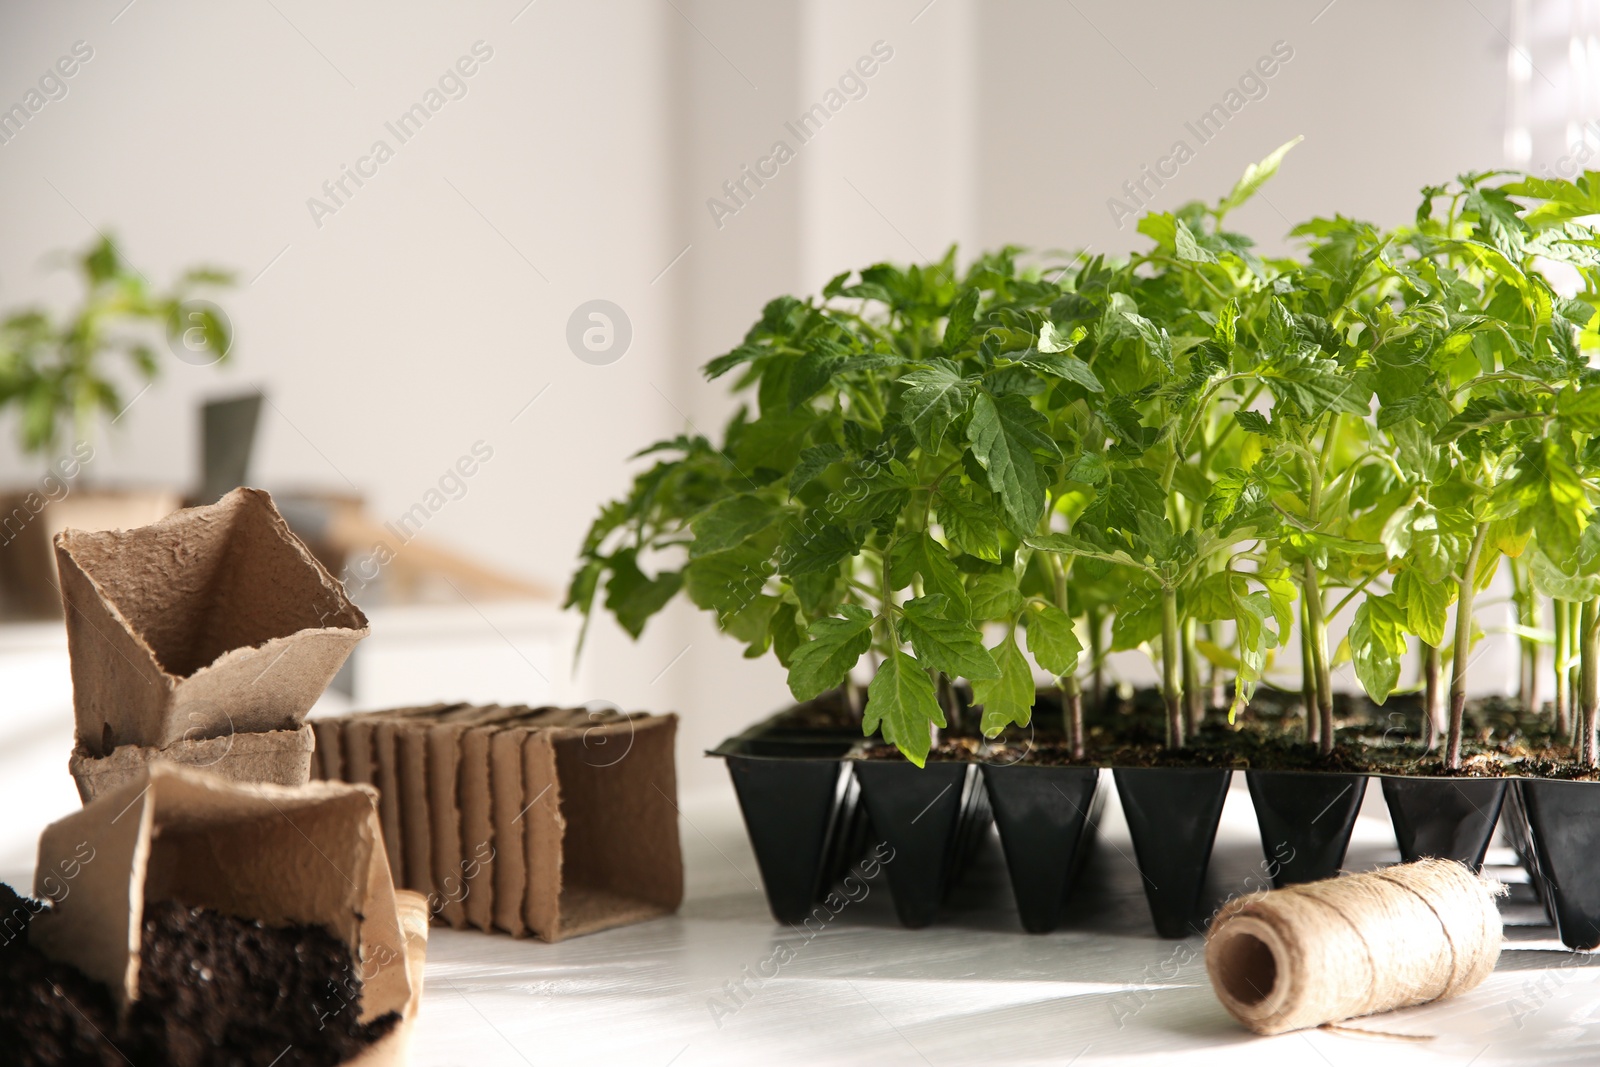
(542, 821)
(201, 639)
(948, 481)
(198, 645)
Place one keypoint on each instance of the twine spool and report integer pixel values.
(1327, 951)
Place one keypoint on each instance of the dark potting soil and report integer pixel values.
(1128, 729)
(948, 750)
(213, 990)
(828, 713)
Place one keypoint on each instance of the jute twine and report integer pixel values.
(1327, 951)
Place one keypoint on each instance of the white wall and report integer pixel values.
(409, 325)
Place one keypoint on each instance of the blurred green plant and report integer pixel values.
(56, 372)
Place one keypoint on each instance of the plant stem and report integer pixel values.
(1589, 659)
(1171, 686)
(1319, 657)
(1525, 603)
(852, 697)
(1562, 657)
(1308, 680)
(1193, 696)
(1071, 690)
(1097, 690)
(946, 691)
(1466, 585)
(1432, 696)
(1219, 692)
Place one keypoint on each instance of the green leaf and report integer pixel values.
(1551, 581)
(1426, 604)
(1212, 598)
(1068, 545)
(1255, 176)
(1437, 539)
(1066, 366)
(1090, 468)
(725, 363)
(1052, 339)
(1253, 640)
(1007, 698)
(585, 581)
(729, 522)
(937, 396)
(753, 625)
(962, 315)
(1254, 422)
(1562, 199)
(1313, 385)
(1005, 435)
(1378, 645)
(1155, 338)
(884, 492)
(812, 544)
(1233, 492)
(921, 554)
(952, 646)
(1052, 639)
(1138, 619)
(902, 706)
(786, 635)
(1561, 506)
(813, 461)
(727, 582)
(811, 374)
(1225, 333)
(836, 645)
(633, 597)
(1188, 248)
(970, 521)
(1281, 593)
(995, 597)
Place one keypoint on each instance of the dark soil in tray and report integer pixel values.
(213, 989)
(828, 713)
(948, 750)
(1499, 739)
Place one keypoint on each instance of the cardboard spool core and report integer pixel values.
(1252, 968)
(1248, 969)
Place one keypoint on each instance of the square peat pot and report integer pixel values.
(213, 621)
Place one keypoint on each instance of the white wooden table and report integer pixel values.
(974, 989)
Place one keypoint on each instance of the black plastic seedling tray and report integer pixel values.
(1047, 818)
(1563, 823)
(812, 807)
(1306, 818)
